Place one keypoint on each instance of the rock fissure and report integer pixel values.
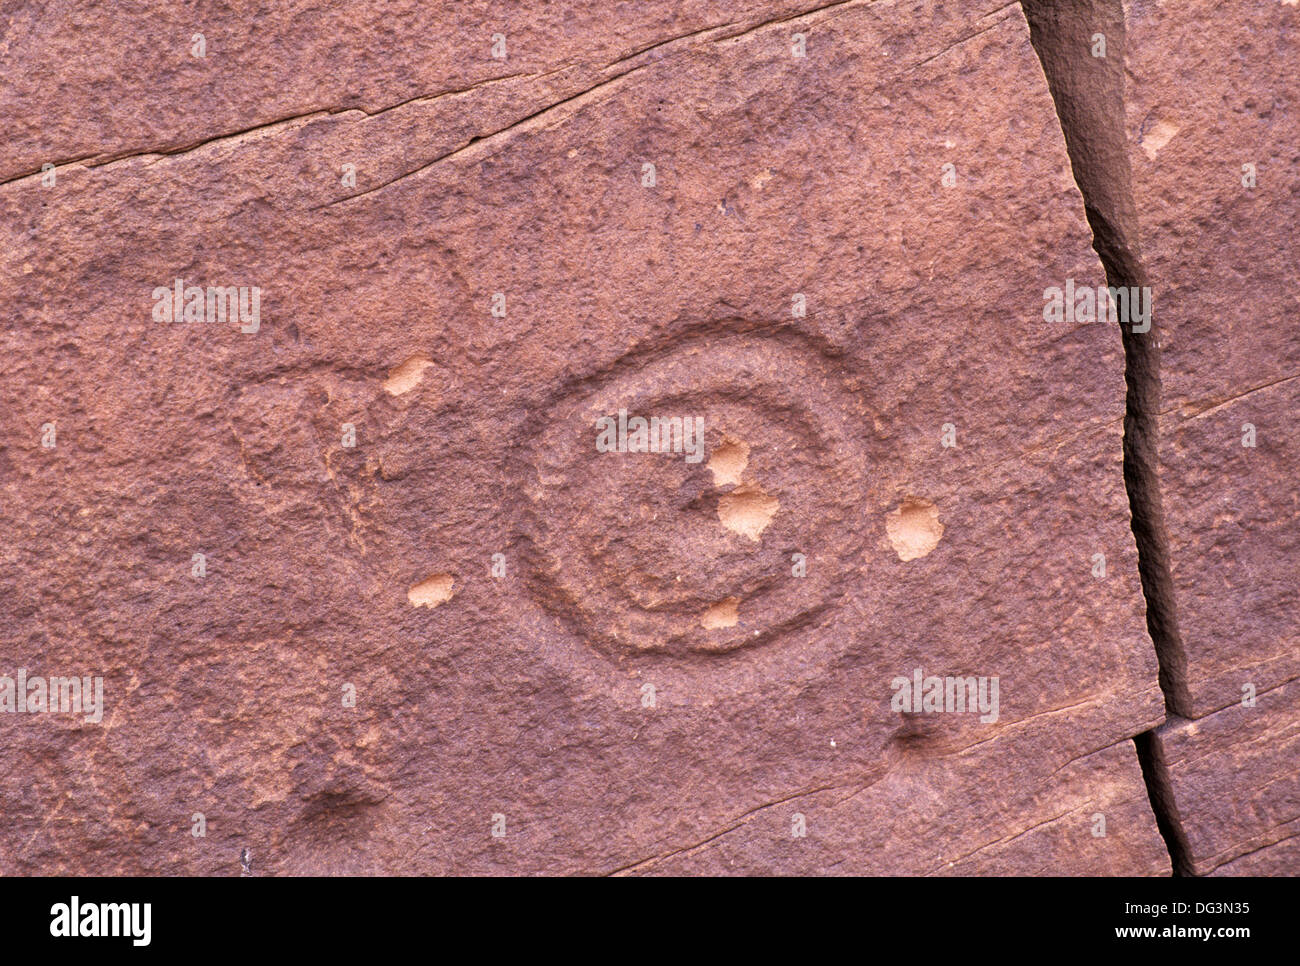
(1089, 95)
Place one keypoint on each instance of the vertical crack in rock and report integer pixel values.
(1155, 772)
(1089, 94)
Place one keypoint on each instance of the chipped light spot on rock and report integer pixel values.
(725, 613)
(913, 528)
(728, 462)
(432, 591)
(406, 376)
(747, 510)
(1158, 137)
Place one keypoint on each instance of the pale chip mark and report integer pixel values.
(728, 462)
(431, 592)
(747, 510)
(1158, 137)
(407, 376)
(913, 528)
(725, 613)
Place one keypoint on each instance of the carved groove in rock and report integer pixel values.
(680, 552)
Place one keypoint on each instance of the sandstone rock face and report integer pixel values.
(375, 569)
(1214, 133)
(1233, 775)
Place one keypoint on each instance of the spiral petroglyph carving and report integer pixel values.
(739, 546)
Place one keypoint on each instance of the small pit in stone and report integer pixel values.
(728, 462)
(432, 591)
(747, 510)
(913, 528)
(1160, 134)
(725, 613)
(407, 376)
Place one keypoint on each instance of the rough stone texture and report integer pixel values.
(1203, 102)
(1158, 131)
(270, 61)
(1234, 777)
(1280, 859)
(1041, 819)
(370, 566)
